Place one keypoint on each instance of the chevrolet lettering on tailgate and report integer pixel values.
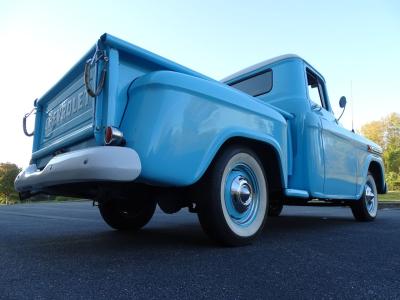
(67, 110)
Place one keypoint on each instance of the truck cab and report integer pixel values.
(325, 161)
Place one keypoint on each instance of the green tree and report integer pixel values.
(392, 160)
(8, 172)
(386, 133)
(392, 131)
(375, 131)
(393, 180)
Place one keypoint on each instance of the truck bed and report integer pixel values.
(69, 119)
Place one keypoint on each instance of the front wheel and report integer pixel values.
(366, 208)
(234, 202)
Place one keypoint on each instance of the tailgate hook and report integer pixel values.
(99, 54)
(24, 122)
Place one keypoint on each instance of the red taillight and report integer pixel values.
(113, 136)
(108, 135)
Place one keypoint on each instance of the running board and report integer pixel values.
(296, 193)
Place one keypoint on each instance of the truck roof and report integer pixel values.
(264, 63)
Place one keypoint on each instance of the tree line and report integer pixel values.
(8, 172)
(8, 195)
(386, 133)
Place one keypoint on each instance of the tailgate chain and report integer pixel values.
(98, 55)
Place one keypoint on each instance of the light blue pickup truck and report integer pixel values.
(130, 130)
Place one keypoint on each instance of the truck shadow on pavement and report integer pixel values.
(188, 235)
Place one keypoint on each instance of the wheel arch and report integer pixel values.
(268, 155)
(376, 170)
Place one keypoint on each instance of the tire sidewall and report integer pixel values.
(256, 225)
(371, 182)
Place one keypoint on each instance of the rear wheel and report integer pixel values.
(126, 214)
(233, 206)
(366, 208)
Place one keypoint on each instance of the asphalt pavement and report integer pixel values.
(65, 251)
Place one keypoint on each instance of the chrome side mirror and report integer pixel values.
(342, 104)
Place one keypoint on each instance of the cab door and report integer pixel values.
(338, 148)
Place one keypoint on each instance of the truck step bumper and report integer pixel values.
(103, 163)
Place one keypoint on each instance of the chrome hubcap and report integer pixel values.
(241, 193)
(370, 198)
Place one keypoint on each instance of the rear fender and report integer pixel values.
(177, 123)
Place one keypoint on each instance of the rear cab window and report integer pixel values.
(255, 85)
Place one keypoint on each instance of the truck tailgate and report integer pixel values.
(65, 114)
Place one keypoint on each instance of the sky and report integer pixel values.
(354, 44)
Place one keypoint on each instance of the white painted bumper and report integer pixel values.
(103, 163)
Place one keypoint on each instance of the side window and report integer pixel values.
(255, 85)
(315, 89)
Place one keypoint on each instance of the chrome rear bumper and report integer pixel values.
(103, 163)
